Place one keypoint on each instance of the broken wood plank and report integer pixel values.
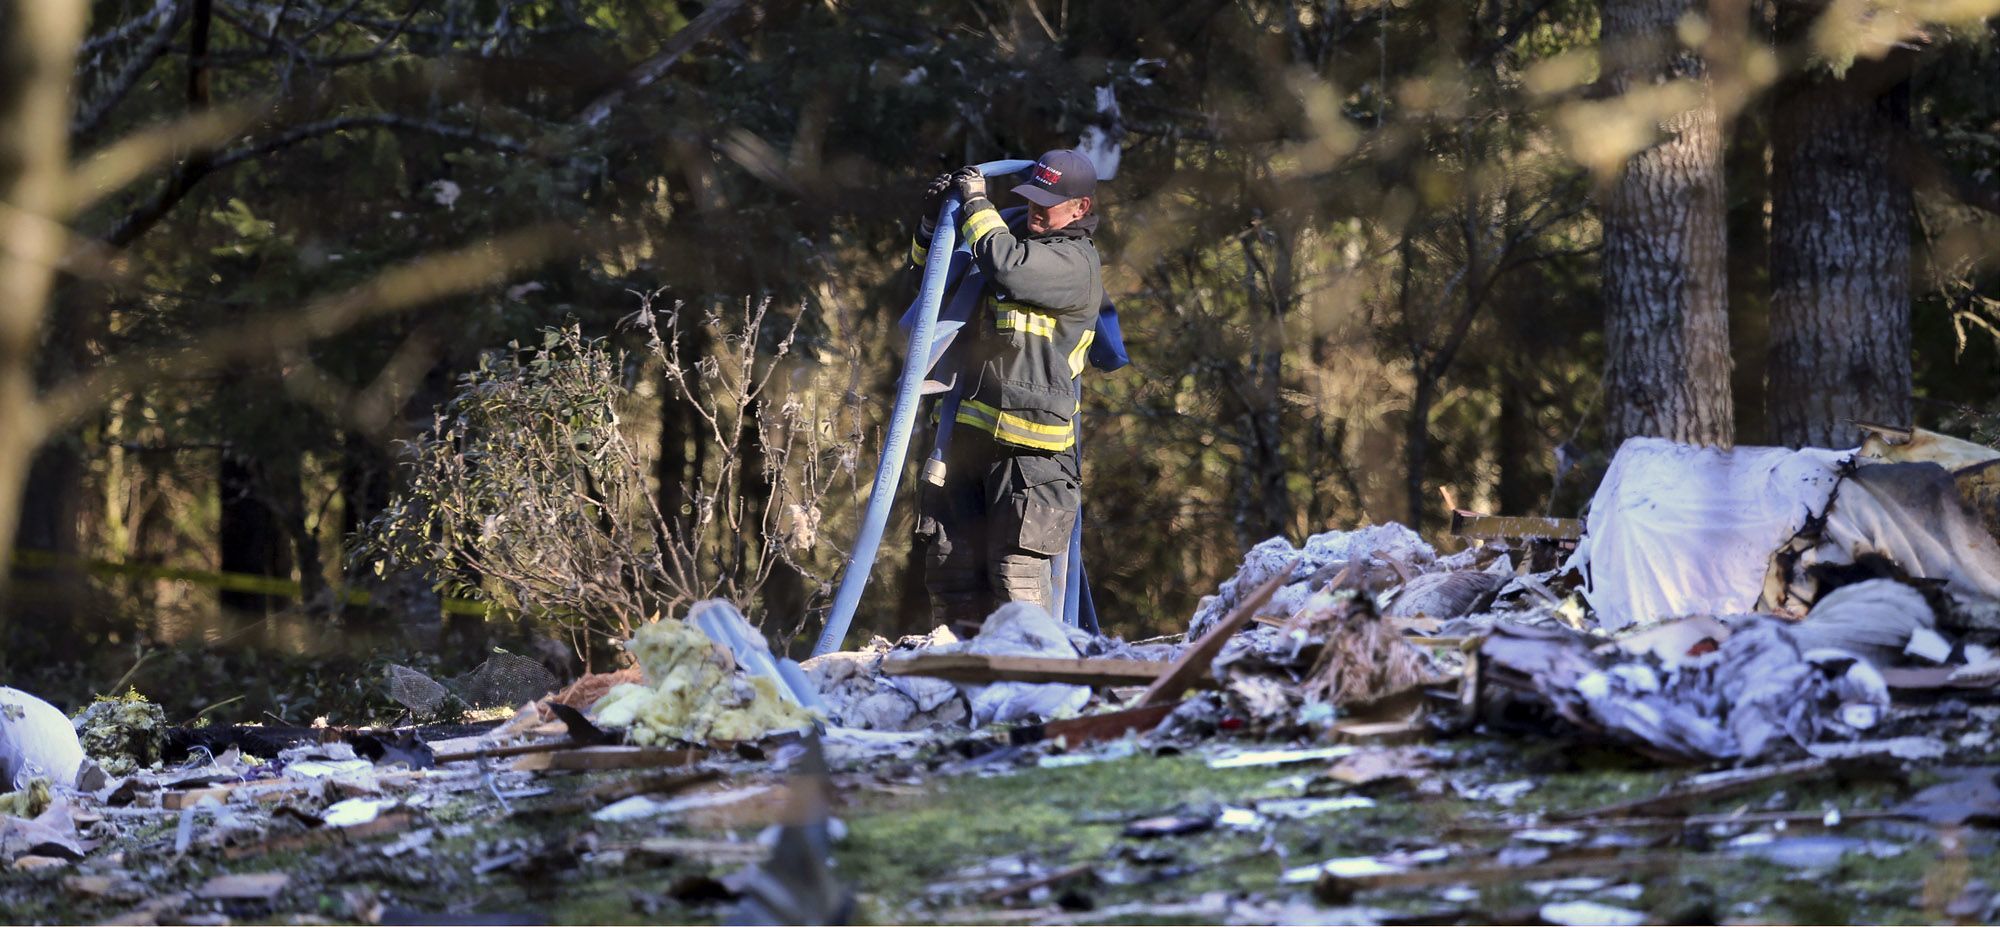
(392, 823)
(112, 887)
(151, 911)
(1789, 819)
(605, 793)
(1195, 662)
(1335, 889)
(696, 850)
(507, 751)
(1108, 726)
(248, 886)
(588, 758)
(1511, 527)
(979, 667)
(1720, 787)
(264, 791)
(1933, 678)
(1047, 915)
(1025, 886)
(1384, 733)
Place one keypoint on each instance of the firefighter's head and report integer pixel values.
(1061, 188)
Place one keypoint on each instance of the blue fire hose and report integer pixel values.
(902, 419)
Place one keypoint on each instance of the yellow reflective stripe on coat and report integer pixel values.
(981, 224)
(918, 250)
(1078, 355)
(1013, 429)
(1034, 323)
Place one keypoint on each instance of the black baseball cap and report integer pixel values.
(1059, 176)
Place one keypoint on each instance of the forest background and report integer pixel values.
(639, 265)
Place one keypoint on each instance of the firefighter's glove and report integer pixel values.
(971, 185)
(934, 195)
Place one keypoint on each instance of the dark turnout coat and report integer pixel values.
(1031, 338)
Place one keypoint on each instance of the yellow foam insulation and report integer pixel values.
(692, 692)
(30, 801)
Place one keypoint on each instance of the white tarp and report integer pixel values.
(1677, 530)
(36, 739)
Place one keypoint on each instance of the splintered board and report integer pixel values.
(1510, 527)
(975, 667)
(584, 758)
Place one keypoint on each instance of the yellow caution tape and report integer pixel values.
(233, 582)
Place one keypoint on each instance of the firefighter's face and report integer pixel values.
(1049, 218)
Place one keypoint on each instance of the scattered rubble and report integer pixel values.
(1757, 658)
(1756, 695)
(1377, 557)
(1021, 629)
(859, 695)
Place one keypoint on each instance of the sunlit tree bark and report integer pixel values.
(1666, 323)
(1840, 257)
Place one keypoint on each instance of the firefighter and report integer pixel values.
(1012, 484)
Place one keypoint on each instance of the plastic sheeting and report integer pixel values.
(1910, 513)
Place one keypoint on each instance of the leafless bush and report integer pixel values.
(535, 491)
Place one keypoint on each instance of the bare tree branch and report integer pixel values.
(656, 67)
(125, 29)
(313, 13)
(92, 118)
(394, 290)
(1926, 171)
(139, 221)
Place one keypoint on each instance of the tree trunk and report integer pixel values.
(1840, 257)
(250, 537)
(1666, 326)
(1519, 445)
(286, 477)
(1417, 445)
(51, 504)
(37, 41)
(1749, 281)
(1265, 509)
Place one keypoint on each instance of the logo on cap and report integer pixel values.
(1046, 175)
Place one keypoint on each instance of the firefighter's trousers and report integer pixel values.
(992, 529)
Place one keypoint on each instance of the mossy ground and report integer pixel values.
(913, 835)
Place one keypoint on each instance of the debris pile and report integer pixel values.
(1023, 665)
(502, 680)
(1375, 557)
(1333, 660)
(859, 695)
(1759, 695)
(1824, 614)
